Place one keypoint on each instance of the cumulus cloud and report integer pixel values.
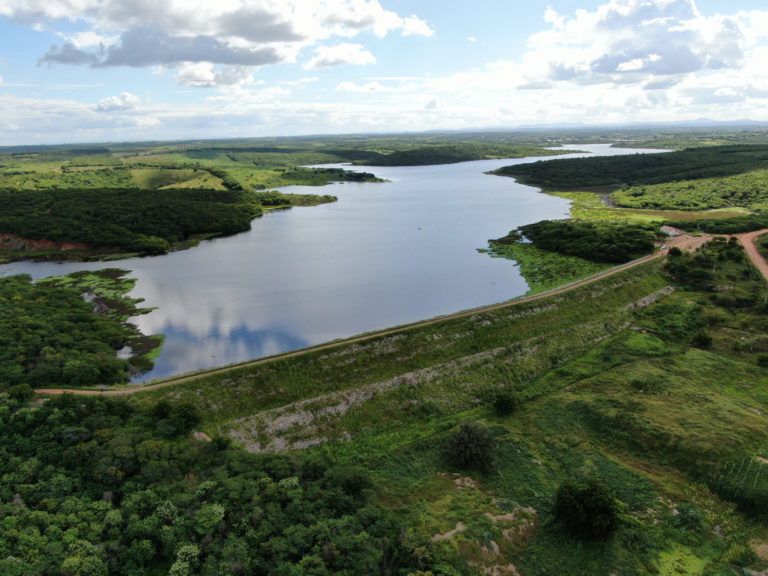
(327, 56)
(126, 101)
(630, 40)
(88, 39)
(151, 46)
(234, 33)
(205, 74)
(68, 54)
(346, 17)
(415, 26)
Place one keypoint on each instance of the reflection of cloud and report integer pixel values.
(184, 351)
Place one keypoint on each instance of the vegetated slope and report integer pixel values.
(749, 190)
(131, 220)
(639, 169)
(597, 241)
(732, 225)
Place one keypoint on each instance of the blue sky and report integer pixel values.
(119, 70)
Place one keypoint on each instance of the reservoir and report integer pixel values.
(385, 254)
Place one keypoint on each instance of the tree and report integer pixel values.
(587, 510)
(471, 447)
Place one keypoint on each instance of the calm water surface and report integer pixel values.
(383, 255)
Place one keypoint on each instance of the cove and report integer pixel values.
(385, 254)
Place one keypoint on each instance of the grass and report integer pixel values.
(741, 190)
(544, 270)
(182, 178)
(597, 206)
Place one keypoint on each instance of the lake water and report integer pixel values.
(385, 254)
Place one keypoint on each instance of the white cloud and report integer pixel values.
(660, 60)
(88, 39)
(415, 26)
(145, 33)
(327, 56)
(237, 95)
(126, 101)
(347, 17)
(205, 75)
(629, 40)
(347, 86)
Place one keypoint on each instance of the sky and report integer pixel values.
(127, 70)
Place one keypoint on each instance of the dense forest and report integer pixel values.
(640, 169)
(95, 487)
(596, 241)
(51, 336)
(128, 220)
(734, 225)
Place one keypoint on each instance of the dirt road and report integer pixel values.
(684, 242)
(748, 241)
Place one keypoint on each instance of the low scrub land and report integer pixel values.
(745, 190)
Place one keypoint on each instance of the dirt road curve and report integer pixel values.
(748, 241)
(685, 242)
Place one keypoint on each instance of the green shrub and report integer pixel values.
(471, 448)
(701, 339)
(505, 403)
(586, 510)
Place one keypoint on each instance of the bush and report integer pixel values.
(586, 510)
(505, 403)
(701, 340)
(471, 448)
